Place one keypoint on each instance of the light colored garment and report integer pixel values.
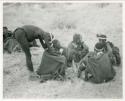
(11, 45)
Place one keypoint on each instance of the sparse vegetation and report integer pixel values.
(63, 20)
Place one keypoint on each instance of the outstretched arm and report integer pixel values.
(44, 45)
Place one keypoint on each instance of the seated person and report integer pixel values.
(53, 63)
(98, 65)
(59, 48)
(9, 43)
(77, 49)
(6, 34)
(115, 50)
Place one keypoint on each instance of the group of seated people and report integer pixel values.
(97, 65)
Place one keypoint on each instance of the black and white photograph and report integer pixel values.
(62, 50)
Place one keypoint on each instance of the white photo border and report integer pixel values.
(56, 1)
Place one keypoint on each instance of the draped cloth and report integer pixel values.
(100, 67)
(11, 45)
(76, 52)
(51, 64)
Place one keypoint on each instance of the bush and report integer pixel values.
(102, 5)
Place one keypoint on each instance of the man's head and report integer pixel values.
(56, 44)
(99, 47)
(48, 38)
(77, 38)
(102, 38)
(5, 30)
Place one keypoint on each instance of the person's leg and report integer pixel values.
(11, 45)
(81, 68)
(35, 43)
(62, 71)
(59, 74)
(86, 75)
(5, 46)
(69, 58)
(21, 38)
(28, 57)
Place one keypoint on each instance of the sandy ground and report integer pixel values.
(63, 20)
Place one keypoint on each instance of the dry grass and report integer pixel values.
(63, 20)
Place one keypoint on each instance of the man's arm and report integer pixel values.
(43, 43)
(84, 51)
(109, 49)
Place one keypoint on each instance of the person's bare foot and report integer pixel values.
(42, 81)
(86, 79)
(33, 76)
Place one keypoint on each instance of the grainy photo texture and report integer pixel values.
(62, 50)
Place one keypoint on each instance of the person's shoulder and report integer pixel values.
(90, 54)
(70, 44)
(110, 43)
(85, 45)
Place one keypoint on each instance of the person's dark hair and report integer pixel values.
(76, 37)
(5, 27)
(56, 44)
(101, 37)
(99, 47)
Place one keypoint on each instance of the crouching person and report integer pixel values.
(115, 50)
(10, 44)
(98, 65)
(77, 49)
(53, 64)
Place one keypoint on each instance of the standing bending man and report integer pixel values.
(27, 34)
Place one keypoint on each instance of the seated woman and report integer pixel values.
(77, 49)
(115, 50)
(10, 44)
(53, 63)
(59, 48)
(98, 65)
